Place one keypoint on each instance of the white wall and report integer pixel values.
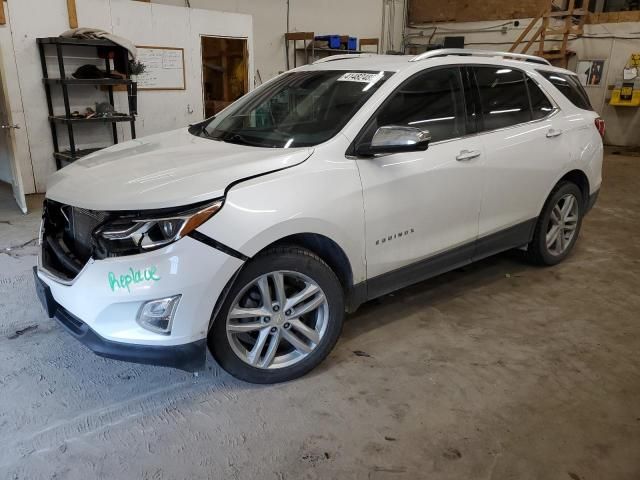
(142, 23)
(358, 18)
(167, 23)
(623, 123)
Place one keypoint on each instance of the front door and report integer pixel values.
(421, 208)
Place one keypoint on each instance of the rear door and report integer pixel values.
(421, 204)
(524, 151)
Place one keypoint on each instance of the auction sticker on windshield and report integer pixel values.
(362, 77)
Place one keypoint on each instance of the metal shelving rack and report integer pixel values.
(65, 157)
(309, 51)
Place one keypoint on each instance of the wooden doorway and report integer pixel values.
(225, 72)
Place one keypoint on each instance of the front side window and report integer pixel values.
(504, 99)
(432, 100)
(299, 109)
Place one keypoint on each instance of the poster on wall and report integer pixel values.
(164, 68)
(590, 72)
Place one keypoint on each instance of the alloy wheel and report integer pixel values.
(563, 223)
(277, 320)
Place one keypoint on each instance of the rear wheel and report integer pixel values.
(280, 318)
(558, 226)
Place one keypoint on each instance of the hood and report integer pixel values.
(164, 170)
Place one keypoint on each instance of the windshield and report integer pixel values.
(299, 109)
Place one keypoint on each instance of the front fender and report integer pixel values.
(263, 210)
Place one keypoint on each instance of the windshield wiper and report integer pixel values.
(200, 129)
(239, 140)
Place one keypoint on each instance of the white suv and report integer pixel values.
(253, 232)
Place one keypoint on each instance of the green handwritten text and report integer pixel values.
(132, 277)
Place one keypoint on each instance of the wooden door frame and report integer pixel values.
(246, 64)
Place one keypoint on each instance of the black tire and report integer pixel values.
(538, 251)
(287, 258)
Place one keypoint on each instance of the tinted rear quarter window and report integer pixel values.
(540, 104)
(569, 86)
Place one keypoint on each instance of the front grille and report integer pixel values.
(83, 222)
(67, 238)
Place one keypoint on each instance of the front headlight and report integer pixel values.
(132, 234)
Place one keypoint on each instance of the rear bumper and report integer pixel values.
(189, 356)
(592, 200)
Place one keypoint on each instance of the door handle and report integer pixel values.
(554, 133)
(4, 126)
(465, 155)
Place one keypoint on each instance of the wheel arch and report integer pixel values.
(326, 248)
(581, 180)
(575, 176)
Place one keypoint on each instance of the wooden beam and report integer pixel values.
(73, 14)
(524, 33)
(299, 36)
(576, 12)
(554, 56)
(543, 33)
(555, 31)
(370, 41)
(568, 22)
(532, 39)
(3, 19)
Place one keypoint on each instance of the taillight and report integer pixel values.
(600, 126)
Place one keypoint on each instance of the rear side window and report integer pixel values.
(504, 100)
(570, 87)
(540, 104)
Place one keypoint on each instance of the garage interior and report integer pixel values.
(498, 370)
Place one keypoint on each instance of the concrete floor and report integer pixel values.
(499, 371)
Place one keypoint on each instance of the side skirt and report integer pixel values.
(512, 237)
(419, 271)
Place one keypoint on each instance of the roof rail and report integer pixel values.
(443, 52)
(344, 56)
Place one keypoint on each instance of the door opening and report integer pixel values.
(225, 72)
(9, 168)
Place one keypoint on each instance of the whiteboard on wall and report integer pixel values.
(164, 68)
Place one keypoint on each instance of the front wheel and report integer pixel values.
(280, 318)
(558, 226)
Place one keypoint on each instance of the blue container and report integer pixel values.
(352, 44)
(334, 40)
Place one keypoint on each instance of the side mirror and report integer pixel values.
(396, 139)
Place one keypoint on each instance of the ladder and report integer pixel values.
(543, 30)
